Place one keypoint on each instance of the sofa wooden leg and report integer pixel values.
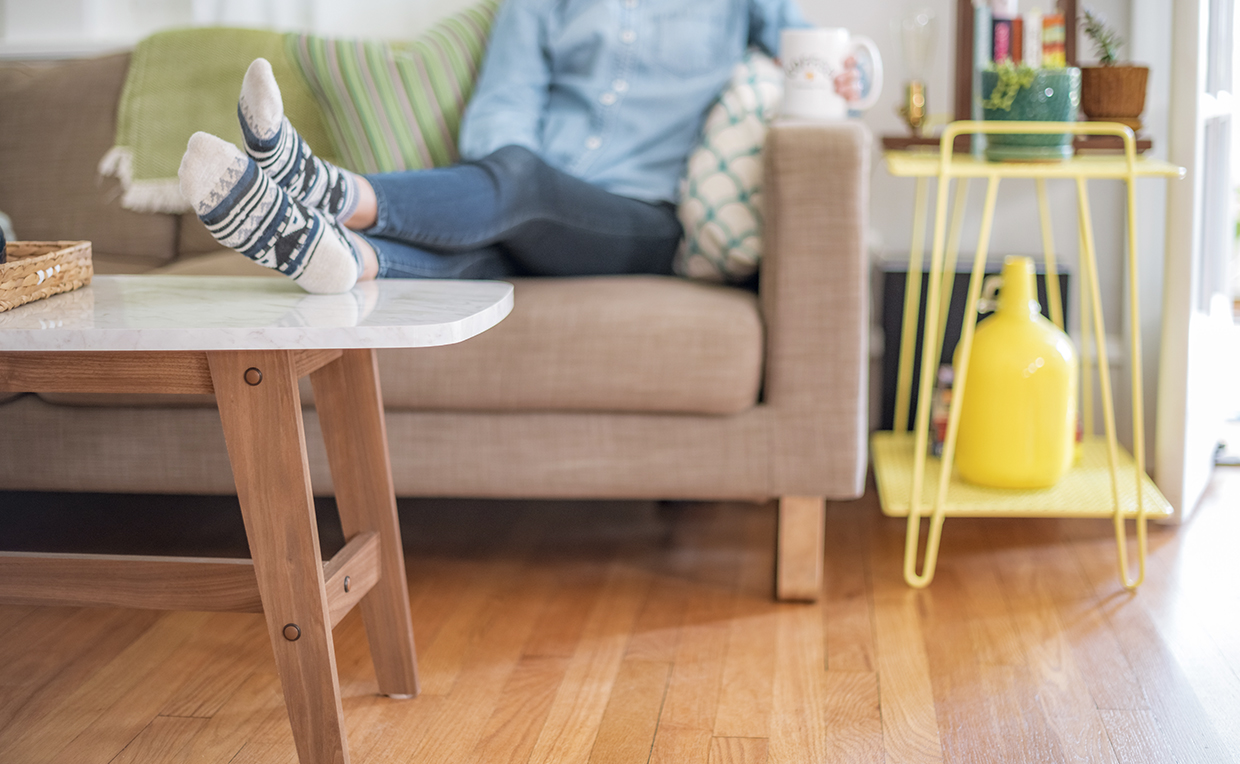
(799, 551)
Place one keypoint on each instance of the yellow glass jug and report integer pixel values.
(1018, 411)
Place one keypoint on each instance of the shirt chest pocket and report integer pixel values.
(690, 41)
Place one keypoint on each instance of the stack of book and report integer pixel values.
(1005, 34)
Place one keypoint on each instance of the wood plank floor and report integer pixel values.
(612, 632)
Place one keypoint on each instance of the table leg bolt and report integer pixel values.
(347, 583)
(292, 632)
(253, 376)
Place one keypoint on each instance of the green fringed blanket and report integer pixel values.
(186, 80)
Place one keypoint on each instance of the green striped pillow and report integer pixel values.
(396, 106)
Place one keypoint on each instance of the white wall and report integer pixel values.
(76, 27)
(84, 27)
(381, 18)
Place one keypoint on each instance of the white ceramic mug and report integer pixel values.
(812, 59)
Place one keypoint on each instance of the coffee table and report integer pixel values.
(248, 341)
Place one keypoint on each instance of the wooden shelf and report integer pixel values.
(1082, 143)
(1110, 143)
(910, 142)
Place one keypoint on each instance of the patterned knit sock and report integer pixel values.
(277, 148)
(243, 209)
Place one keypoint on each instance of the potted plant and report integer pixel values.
(1020, 92)
(1111, 91)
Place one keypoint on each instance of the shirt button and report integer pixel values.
(608, 98)
(593, 142)
(619, 86)
(630, 3)
(628, 36)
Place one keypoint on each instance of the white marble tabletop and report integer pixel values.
(155, 312)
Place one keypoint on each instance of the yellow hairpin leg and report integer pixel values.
(1087, 365)
(1104, 382)
(1138, 408)
(912, 305)
(1053, 298)
(904, 381)
(952, 255)
(922, 428)
(911, 576)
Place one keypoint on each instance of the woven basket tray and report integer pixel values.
(38, 269)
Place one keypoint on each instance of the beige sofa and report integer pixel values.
(617, 387)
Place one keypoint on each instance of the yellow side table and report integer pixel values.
(909, 480)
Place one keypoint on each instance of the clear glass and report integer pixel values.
(916, 32)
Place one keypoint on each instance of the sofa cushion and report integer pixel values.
(111, 263)
(56, 193)
(221, 262)
(611, 343)
(193, 238)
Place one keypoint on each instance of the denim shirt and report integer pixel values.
(613, 91)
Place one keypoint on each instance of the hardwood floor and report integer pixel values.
(601, 632)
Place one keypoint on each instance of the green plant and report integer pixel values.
(1012, 79)
(1106, 40)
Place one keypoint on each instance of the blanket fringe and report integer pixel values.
(162, 195)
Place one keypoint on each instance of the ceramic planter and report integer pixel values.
(1114, 93)
(1054, 96)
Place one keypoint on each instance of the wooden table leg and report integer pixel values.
(350, 408)
(261, 412)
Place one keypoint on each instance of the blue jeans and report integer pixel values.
(512, 214)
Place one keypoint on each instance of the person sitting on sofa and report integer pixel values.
(572, 146)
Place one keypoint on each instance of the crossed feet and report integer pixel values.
(277, 203)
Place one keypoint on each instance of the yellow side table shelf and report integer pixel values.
(1084, 492)
(1105, 481)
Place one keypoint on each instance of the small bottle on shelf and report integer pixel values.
(940, 409)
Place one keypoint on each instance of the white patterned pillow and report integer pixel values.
(721, 193)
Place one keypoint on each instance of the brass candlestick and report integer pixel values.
(915, 31)
(913, 111)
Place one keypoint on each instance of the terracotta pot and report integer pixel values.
(1114, 93)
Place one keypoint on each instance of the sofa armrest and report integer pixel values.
(814, 299)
